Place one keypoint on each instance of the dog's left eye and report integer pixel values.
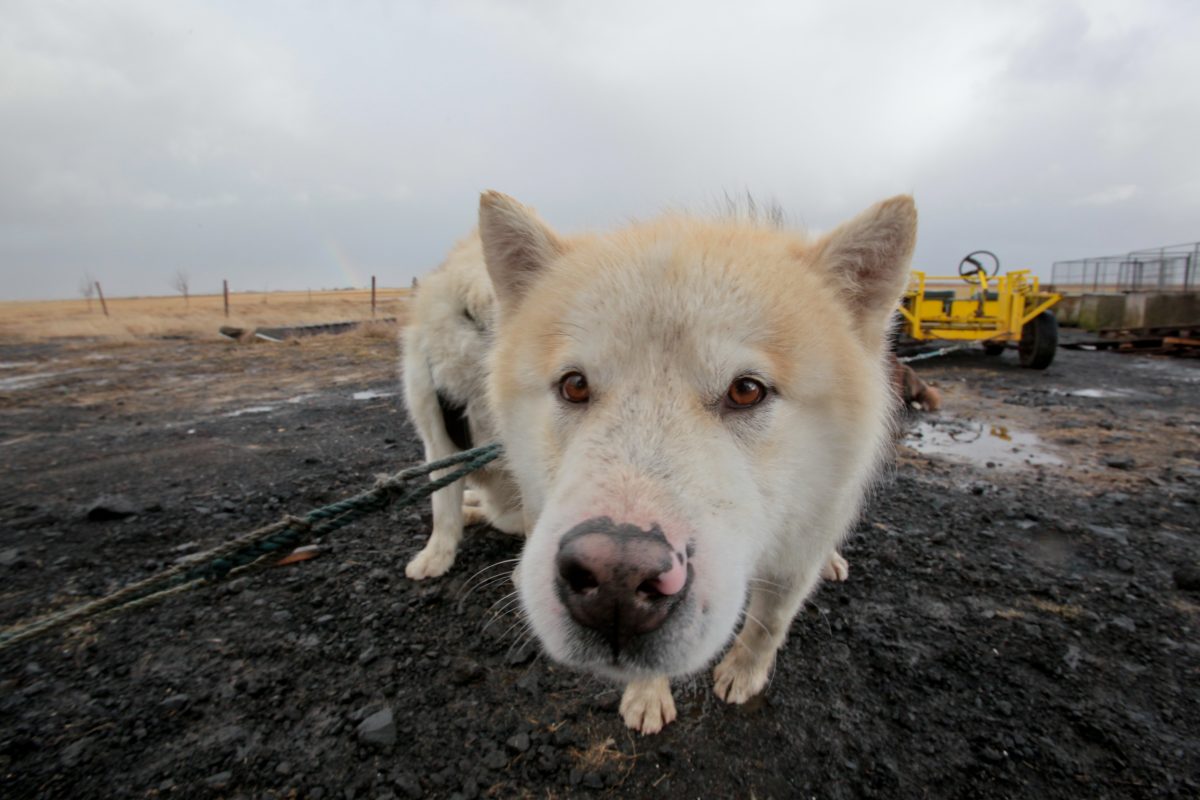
(573, 387)
(744, 393)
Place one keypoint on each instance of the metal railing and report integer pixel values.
(1173, 268)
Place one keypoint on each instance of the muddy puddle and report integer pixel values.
(31, 380)
(1100, 394)
(980, 444)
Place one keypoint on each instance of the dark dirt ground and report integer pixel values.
(1006, 631)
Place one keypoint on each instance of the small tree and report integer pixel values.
(87, 288)
(180, 283)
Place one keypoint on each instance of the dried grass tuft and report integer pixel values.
(378, 330)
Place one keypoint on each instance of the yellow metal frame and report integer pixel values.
(995, 309)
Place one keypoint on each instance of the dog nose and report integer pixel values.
(619, 580)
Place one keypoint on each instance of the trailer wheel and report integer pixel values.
(993, 349)
(1039, 341)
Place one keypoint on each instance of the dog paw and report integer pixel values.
(647, 705)
(471, 498)
(836, 568)
(474, 515)
(429, 563)
(740, 676)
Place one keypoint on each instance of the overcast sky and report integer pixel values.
(293, 145)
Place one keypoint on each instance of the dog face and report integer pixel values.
(687, 407)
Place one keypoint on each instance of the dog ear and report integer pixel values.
(869, 256)
(517, 245)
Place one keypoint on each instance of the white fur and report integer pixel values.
(661, 318)
(444, 350)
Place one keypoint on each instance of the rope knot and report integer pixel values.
(300, 524)
(389, 484)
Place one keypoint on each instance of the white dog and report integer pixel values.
(692, 411)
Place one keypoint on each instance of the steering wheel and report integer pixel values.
(972, 265)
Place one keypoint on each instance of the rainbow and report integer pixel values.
(350, 274)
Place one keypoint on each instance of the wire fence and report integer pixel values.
(1173, 268)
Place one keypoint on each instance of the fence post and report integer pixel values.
(372, 295)
(103, 304)
(225, 292)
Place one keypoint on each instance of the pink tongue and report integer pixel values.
(671, 581)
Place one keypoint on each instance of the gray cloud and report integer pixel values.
(292, 145)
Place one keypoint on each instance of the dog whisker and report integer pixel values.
(494, 580)
(527, 637)
(766, 582)
(486, 584)
(491, 566)
(771, 671)
(522, 624)
(467, 585)
(503, 607)
(759, 623)
(503, 599)
(740, 641)
(825, 616)
(764, 590)
(510, 601)
(508, 608)
(521, 636)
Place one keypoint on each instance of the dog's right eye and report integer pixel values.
(573, 387)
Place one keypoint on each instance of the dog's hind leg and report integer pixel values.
(493, 500)
(511, 522)
(473, 513)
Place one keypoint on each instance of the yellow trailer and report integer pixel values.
(992, 309)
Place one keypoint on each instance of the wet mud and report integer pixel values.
(1020, 618)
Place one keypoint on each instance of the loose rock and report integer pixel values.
(379, 729)
(176, 702)
(110, 507)
(220, 780)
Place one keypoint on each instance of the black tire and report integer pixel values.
(994, 349)
(1039, 341)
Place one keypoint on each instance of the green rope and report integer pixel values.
(261, 544)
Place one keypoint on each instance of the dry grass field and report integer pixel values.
(131, 318)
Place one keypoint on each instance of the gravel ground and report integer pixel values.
(1026, 628)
